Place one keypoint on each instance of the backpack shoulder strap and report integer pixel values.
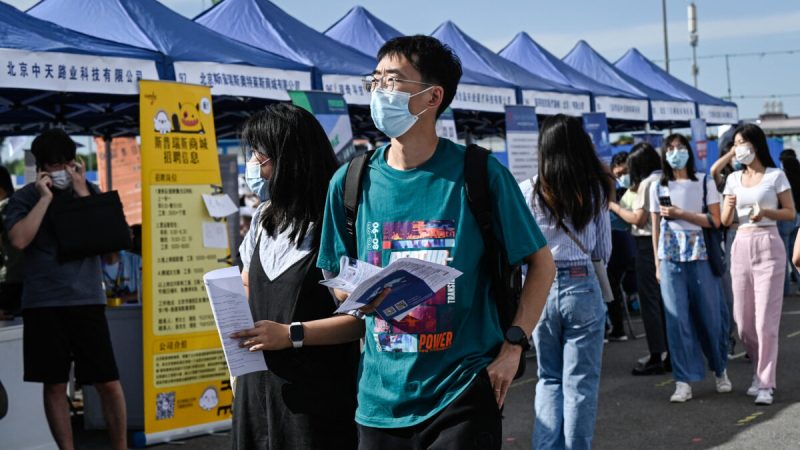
(476, 181)
(351, 196)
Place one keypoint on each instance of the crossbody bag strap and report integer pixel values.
(574, 238)
(705, 202)
(561, 223)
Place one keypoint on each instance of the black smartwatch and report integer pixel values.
(516, 336)
(296, 334)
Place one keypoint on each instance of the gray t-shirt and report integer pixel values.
(48, 282)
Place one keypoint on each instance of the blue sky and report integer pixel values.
(611, 27)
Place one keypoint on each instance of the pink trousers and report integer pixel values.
(758, 267)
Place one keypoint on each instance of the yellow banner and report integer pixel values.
(185, 376)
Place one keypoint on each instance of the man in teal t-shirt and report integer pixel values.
(441, 373)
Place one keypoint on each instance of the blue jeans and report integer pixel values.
(727, 290)
(569, 350)
(696, 319)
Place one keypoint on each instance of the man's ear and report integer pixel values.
(436, 98)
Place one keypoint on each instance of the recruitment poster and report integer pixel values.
(330, 109)
(522, 141)
(596, 126)
(186, 389)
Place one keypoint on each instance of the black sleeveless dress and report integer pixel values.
(307, 397)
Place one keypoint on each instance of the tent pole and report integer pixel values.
(107, 140)
(666, 39)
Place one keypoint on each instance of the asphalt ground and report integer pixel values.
(635, 412)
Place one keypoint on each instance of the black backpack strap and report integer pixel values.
(476, 181)
(506, 280)
(352, 194)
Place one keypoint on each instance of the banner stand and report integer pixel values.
(522, 142)
(596, 126)
(187, 388)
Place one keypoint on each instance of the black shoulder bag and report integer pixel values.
(713, 237)
(89, 226)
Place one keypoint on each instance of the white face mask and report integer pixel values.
(61, 179)
(745, 154)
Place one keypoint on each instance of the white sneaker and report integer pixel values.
(683, 392)
(752, 391)
(764, 397)
(723, 383)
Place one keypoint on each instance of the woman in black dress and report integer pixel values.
(307, 397)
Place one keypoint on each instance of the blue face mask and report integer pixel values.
(677, 159)
(624, 181)
(257, 185)
(390, 112)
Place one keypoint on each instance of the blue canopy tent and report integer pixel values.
(548, 97)
(665, 110)
(336, 67)
(193, 53)
(624, 110)
(714, 110)
(56, 77)
(366, 33)
(361, 30)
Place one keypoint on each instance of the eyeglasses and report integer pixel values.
(372, 82)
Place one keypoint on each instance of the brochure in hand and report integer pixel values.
(412, 282)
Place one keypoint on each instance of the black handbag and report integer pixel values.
(713, 238)
(89, 226)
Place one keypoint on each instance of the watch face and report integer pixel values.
(515, 335)
(296, 332)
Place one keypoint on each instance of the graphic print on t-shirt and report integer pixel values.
(428, 327)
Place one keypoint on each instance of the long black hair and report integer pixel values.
(791, 167)
(642, 161)
(303, 164)
(572, 182)
(667, 174)
(753, 134)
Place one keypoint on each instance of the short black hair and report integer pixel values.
(787, 153)
(136, 243)
(435, 61)
(53, 146)
(619, 159)
(5, 181)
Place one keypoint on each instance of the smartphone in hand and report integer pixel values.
(665, 200)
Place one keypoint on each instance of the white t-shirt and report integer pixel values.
(642, 201)
(686, 195)
(765, 194)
